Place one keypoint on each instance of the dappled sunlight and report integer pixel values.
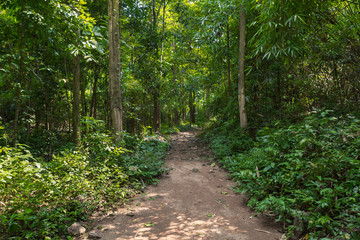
(179, 226)
(194, 201)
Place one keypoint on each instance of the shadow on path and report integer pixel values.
(195, 201)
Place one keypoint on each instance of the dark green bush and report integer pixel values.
(307, 175)
(226, 141)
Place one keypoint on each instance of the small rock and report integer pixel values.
(94, 235)
(130, 214)
(76, 229)
(195, 170)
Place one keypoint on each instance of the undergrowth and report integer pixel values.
(39, 199)
(306, 175)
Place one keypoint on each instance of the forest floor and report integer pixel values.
(194, 201)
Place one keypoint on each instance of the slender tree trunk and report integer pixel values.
(76, 135)
(115, 67)
(163, 35)
(28, 125)
(156, 111)
(207, 96)
(173, 69)
(83, 100)
(17, 111)
(228, 58)
(241, 76)
(68, 97)
(93, 97)
(37, 118)
(192, 107)
(156, 90)
(133, 122)
(21, 76)
(176, 117)
(47, 105)
(176, 111)
(193, 119)
(184, 112)
(161, 62)
(279, 94)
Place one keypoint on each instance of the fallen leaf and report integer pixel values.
(149, 224)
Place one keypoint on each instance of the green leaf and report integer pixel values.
(149, 224)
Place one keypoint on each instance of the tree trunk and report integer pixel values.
(241, 76)
(176, 117)
(93, 97)
(69, 122)
(192, 115)
(83, 100)
(115, 67)
(228, 58)
(176, 112)
(192, 107)
(133, 125)
(278, 94)
(76, 101)
(21, 75)
(207, 101)
(156, 111)
(184, 113)
(162, 37)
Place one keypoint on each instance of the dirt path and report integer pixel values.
(195, 201)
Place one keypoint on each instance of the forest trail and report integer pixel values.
(194, 201)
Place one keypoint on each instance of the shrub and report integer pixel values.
(307, 175)
(40, 199)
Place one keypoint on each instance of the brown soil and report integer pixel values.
(194, 201)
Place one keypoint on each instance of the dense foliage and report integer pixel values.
(40, 199)
(180, 64)
(306, 175)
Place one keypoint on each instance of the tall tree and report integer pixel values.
(93, 98)
(228, 57)
(241, 76)
(115, 66)
(21, 75)
(76, 100)
(156, 90)
(192, 106)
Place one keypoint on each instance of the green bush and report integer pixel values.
(40, 199)
(226, 140)
(307, 175)
(144, 165)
